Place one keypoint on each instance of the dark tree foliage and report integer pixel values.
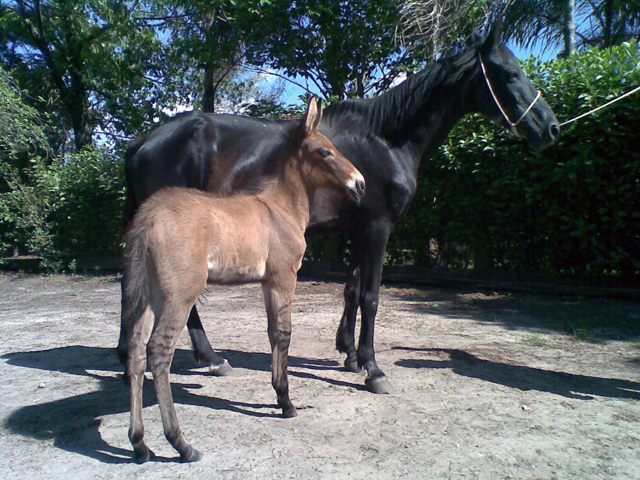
(344, 49)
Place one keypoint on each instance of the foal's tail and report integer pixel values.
(136, 276)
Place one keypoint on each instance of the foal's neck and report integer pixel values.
(291, 193)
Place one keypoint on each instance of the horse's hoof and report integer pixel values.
(352, 366)
(289, 412)
(378, 385)
(193, 456)
(222, 370)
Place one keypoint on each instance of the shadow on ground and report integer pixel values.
(523, 378)
(73, 423)
(587, 318)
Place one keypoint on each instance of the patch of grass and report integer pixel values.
(535, 340)
(584, 334)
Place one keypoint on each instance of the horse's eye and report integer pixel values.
(325, 153)
(511, 76)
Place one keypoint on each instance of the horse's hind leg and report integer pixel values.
(123, 342)
(202, 350)
(136, 366)
(278, 295)
(345, 336)
(160, 352)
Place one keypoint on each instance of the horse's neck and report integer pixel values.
(419, 113)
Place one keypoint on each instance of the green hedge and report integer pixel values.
(56, 207)
(573, 208)
(64, 209)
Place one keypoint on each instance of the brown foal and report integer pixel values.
(182, 239)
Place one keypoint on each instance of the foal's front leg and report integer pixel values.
(278, 296)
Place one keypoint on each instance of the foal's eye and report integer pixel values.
(325, 153)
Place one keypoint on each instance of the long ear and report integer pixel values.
(475, 40)
(318, 113)
(311, 118)
(493, 39)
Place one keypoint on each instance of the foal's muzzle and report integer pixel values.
(357, 189)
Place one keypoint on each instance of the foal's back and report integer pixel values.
(225, 239)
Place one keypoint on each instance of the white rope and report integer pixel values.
(637, 89)
(500, 107)
(528, 109)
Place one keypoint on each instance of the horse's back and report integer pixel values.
(200, 150)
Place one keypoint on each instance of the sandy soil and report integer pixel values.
(487, 386)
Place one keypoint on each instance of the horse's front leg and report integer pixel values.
(345, 336)
(202, 350)
(278, 297)
(374, 247)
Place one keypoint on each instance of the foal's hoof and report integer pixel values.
(352, 366)
(222, 370)
(378, 385)
(190, 457)
(143, 455)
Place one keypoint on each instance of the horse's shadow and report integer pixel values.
(262, 362)
(73, 423)
(523, 378)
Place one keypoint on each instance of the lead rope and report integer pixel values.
(637, 89)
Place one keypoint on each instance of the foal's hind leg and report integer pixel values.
(278, 296)
(160, 354)
(136, 366)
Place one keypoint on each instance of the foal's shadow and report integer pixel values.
(73, 423)
(523, 378)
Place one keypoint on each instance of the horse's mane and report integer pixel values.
(397, 107)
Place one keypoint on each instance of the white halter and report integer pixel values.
(502, 110)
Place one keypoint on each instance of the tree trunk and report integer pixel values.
(569, 28)
(77, 104)
(608, 22)
(209, 94)
(74, 96)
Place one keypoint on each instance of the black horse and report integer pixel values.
(386, 138)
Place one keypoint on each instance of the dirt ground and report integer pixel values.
(487, 386)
